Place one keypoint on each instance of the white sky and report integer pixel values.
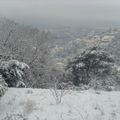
(62, 10)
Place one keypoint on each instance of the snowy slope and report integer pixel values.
(39, 104)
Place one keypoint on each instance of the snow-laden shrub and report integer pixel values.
(12, 72)
(15, 116)
(3, 86)
(93, 63)
(2, 81)
(2, 90)
(20, 84)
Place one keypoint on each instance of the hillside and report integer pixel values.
(26, 44)
(39, 104)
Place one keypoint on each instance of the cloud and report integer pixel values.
(68, 10)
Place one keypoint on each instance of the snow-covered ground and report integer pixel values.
(39, 104)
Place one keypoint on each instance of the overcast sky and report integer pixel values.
(74, 11)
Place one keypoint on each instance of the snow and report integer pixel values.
(39, 104)
(7, 64)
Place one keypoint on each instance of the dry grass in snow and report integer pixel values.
(39, 104)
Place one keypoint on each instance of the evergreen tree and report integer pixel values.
(91, 63)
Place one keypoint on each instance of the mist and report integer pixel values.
(74, 12)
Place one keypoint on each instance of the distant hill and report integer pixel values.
(18, 35)
(105, 39)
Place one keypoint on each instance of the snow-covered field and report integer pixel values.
(39, 104)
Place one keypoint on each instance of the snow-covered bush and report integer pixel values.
(92, 64)
(20, 84)
(3, 86)
(57, 93)
(12, 72)
(2, 90)
(2, 81)
(14, 117)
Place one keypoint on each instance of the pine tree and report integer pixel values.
(91, 63)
